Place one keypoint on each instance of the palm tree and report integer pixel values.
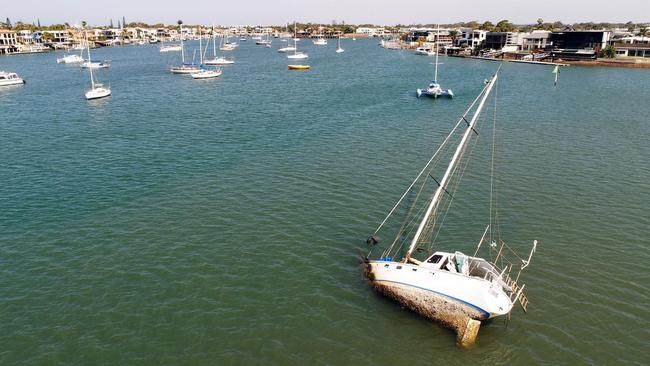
(643, 31)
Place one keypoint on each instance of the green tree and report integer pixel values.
(643, 31)
(609, 52)
(540, 21)
(487, 26)
(504, 26)
(47, 37)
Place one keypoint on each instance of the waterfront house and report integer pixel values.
(577, 45)
(505, 41)
(535, 40)
(472, 38)
(633, 50)
(8, 41)
(596, 40)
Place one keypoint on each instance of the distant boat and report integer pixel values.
(434, 90)
(95, 65)
(289, 48)
(299, 67)
(70, 59)
(264, 42)
(338, 48)
(297, 55)
(184, 68)
(206, 74)
(10, 78)
(217, 60)
(97, 90)
(320, 41)
(170, 47)
(425, 51)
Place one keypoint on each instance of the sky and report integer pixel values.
(277, 12)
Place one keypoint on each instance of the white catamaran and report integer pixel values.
(434, 90)
(452, 288)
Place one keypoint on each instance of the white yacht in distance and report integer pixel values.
(424, 51)
(97, 90)
(457, 290)
(204, 73)
(169, 47)
(320, 41)
(70, 59)
(288, 47)
(183, 68)
(95, 64)
(217, 60)
(10, 78)
(338, 48)
(297, 55)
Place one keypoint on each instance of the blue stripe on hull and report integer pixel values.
(485, 314)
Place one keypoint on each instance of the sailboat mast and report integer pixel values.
(200, 47)
(214, 42)
(90, 66)
(452, 165)
(182, 46)
(435, 75)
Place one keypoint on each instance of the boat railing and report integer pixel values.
(517, 293)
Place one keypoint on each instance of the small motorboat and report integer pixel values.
(10, 78)
(425, 51)
(69, 59)
(299, 67)
(95, 65)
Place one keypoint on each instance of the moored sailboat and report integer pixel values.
(183, 68)
(457, 290)
(97, 90)
(217, 60)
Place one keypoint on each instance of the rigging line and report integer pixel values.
(456, 185)
(406, 219)
(434, 155)
(494, 141)
(406, 234)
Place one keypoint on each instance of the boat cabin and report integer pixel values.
(462, 264)
(8, 76)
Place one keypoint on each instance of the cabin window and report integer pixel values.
(435, 259)
(399, 267)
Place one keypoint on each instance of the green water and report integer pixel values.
(185, 222)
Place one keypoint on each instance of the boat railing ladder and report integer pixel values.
(518, 293)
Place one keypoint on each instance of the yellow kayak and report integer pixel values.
(298, 67)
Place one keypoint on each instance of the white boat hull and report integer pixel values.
(69, 59)
(17, 81)
(219, 62)
(298, 56)
(451, 299)
(97, 93)
(206, 74)
(184, 70)
(170, 49)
